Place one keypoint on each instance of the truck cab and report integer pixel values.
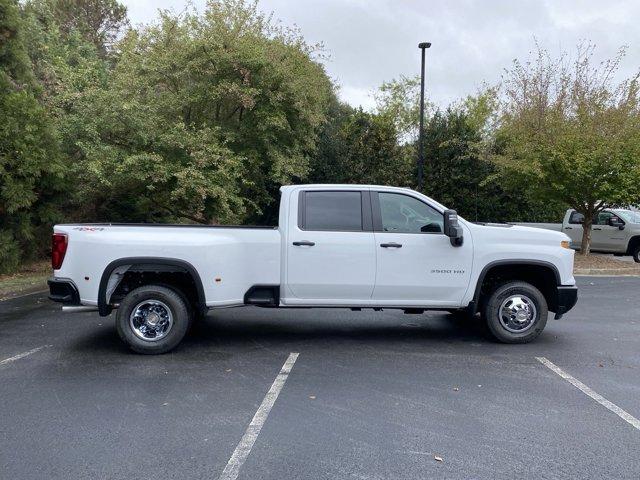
(366, 247)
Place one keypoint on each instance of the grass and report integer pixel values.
(31, 278)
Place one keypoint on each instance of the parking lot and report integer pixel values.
(372, 395)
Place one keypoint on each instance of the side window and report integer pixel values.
(332, 211)
(404, 214)
(603, 218)
(576, 218)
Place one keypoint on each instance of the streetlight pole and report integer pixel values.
(422, 46)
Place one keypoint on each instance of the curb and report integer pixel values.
(616, 272)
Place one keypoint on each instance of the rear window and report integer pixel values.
(333, 211)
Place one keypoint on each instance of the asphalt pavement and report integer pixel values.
(371, 395)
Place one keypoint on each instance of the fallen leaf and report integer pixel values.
(312, 397)
(438, 459)
(456, 389)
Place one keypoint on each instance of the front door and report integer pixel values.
(605, 237)
(416, 262)
(330, 250)
(574, 229)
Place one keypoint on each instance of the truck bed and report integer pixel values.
(228, 259)
(171, 225)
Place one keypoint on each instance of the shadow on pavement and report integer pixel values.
(247, 328)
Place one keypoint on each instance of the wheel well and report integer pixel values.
(136, 272)
(543, 277)
(633, 243)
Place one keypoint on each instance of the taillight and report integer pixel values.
(58, 249)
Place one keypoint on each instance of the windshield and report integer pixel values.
(629, 216)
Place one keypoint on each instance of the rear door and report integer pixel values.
(417, 264)
(330, 252)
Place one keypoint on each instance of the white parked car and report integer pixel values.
(344, 246)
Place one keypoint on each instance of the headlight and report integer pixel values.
(565, 244)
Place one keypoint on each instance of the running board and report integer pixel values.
(79, 308)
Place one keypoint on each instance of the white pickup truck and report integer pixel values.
(346, 246)
(614, 230)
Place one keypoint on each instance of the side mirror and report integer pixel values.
(452, 228)
(616, 222)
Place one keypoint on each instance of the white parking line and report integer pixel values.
(627, 417)
(243, 449)
(22, 355)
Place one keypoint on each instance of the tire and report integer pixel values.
(518, 327)
(636, 253)
(153, 319)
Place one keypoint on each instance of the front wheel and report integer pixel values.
(153, 319)
(516, 312)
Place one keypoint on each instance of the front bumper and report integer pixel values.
(64, 291)
(566, 298)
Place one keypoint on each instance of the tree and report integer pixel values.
(29, 162)
(461, 177)
(99, 22)
(360, 147)
(203, 118)
(570, 134)
(399, 99)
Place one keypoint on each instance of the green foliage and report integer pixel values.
(98, 22)
(459, 176)
(360, 147)
(30, 170)
(569, 134)
(399, 100)
(203, 118)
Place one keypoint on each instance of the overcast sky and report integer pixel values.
(473, 41)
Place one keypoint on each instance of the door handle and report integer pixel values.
(304, 243)
(597, 229)
(568, 228)
(391, 245)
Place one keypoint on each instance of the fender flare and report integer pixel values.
(104, 308)
(515, 262)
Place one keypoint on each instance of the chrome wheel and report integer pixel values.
(151, 320)
(517, 313)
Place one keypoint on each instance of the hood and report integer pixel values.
(519, 233)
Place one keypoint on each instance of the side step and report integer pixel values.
(263, 296)
(414, 311)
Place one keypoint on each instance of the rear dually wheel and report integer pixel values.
(153, 319)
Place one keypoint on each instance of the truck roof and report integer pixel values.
(351, 186)
(341, 186)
